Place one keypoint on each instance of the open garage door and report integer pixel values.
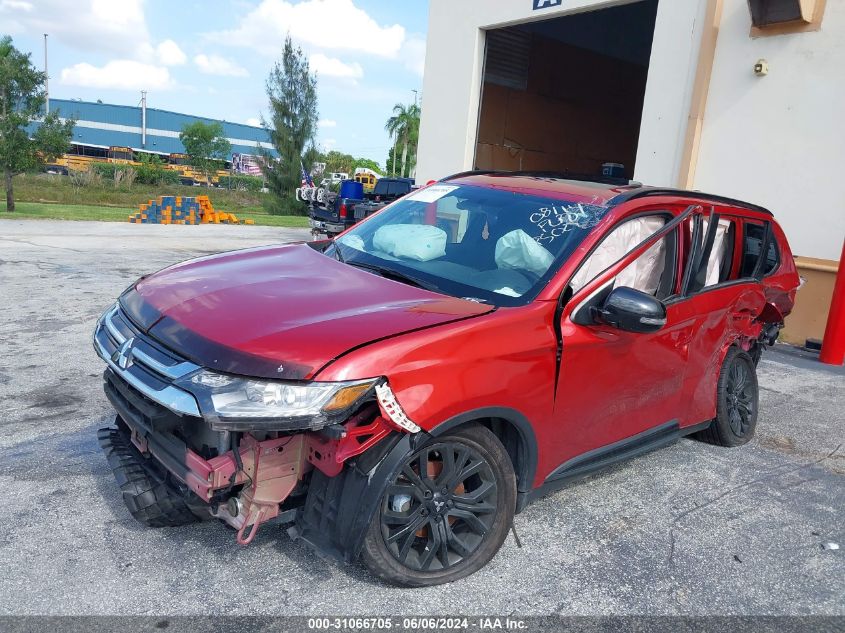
(566, 94)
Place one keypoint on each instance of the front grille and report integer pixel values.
(135, 408)
(142, 363)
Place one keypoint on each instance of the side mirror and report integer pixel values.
(631, 310)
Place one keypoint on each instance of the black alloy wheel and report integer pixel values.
(737, 401)
(438, 510)
(741, 398)
(445, 513)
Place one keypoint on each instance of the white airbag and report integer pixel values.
(644, 273)
(421, 242)
(715, 262)
(517, 251)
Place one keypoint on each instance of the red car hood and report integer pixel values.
(280, 312)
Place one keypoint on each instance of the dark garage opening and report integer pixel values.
(566, 94)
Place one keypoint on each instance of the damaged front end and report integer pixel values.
(238, 449)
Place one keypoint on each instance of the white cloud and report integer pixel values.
(328, 144)
(253, 121)
(16, 5)
(326, 123)
(326, 24)
(169, 53)
(332, 67)
(95, 25)
(217, 65)
(413, 54)
(119, 74)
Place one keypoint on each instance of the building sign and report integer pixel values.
(545, 4)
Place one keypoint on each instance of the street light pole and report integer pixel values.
(144, 119)
(46, 79)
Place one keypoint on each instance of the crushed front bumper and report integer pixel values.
(269, 470)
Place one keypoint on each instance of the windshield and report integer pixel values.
(484, 244)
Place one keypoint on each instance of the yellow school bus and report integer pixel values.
(121, 155)
(367, 179)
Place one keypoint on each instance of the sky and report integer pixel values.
(212, 58)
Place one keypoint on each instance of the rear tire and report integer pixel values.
(737, 402)
(151, 502)
(448, 523)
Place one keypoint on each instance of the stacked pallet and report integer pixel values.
(183, 210)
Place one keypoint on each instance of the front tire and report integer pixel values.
(446, 513)
(737, 401)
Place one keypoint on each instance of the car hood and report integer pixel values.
(279, 312)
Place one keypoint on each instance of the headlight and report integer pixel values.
(234, 403)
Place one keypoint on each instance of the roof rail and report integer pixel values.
(645, 192)
(556, 175)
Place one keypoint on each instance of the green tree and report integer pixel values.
(369, 164)
(347, 163)
(338, 161)
(206, 146)
(292, 91)
(404, 127)
(22, 99)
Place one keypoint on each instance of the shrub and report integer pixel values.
(105, 170)
(288, 205)
(154, 173)
(125, 176)
(241, 182)
(85, 178)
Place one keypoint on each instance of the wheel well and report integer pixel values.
(517, 449)
(510, 439)
(512, 429)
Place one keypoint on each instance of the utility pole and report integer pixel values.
(415, 96)
(143, 119)
(46, 79)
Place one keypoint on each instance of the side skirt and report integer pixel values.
(600, 458)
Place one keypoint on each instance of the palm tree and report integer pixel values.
(404, 127)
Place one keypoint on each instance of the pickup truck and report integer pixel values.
(339, 213)
(332, 217)
(386, 191)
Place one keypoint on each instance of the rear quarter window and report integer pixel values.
(752, 243)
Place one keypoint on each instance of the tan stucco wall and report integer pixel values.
(812, 303)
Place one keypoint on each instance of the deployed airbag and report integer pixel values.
(421, 242)
(518, 251)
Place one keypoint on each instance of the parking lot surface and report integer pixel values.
(691, 529)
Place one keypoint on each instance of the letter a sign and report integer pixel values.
(545, 4)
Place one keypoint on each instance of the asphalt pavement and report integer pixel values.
(692, 529)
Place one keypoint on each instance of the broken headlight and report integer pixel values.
(234, 403)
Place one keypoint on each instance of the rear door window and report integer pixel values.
(721, 256)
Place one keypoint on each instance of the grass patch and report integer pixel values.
(27, 210)
(56, 189)
(53, 197)
(45, 211)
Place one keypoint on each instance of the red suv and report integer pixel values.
(398, 393)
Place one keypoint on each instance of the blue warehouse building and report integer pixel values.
(102, 125)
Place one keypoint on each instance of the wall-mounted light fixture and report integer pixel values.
(775, 12)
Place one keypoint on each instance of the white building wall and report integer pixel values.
(671, 76)
(779, 140)
(454, 67)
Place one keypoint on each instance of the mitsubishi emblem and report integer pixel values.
(122, 356)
